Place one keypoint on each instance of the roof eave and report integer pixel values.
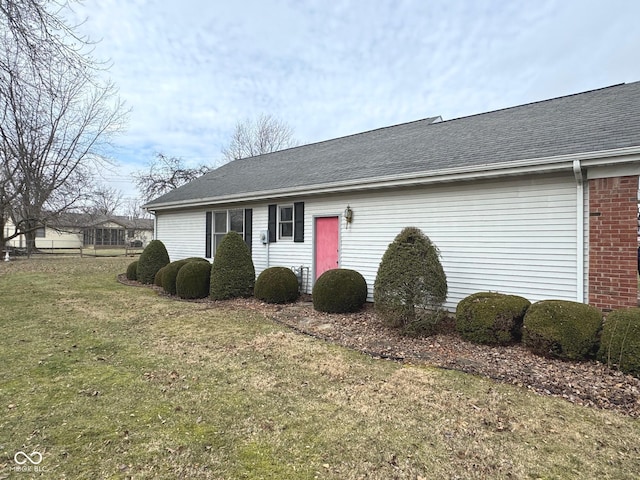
(485, 171)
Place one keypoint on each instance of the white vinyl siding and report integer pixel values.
(514, 236)
(183, 233)
(282, 253)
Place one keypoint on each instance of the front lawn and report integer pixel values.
(109, 381)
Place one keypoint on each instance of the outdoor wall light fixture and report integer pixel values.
(348, 214)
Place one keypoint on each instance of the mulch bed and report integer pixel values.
(588, 383)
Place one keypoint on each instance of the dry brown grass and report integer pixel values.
(109, 381)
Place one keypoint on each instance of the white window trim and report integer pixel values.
(214, 232)
(280, 222)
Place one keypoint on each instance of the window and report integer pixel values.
(89, 236)
(104, 237)
(236, 221)
(40, 232)
(219, 228)
(286, 221)
(225, 221)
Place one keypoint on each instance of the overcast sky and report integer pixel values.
(191, 69)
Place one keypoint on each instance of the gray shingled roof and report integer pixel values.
(597, 120)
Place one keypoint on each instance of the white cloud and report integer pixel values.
(190, 70)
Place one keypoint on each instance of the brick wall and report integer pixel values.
(613, 214)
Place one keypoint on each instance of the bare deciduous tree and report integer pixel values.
(265, 134)
(133, 209)
(56, 117)
(35, 30)
(104, 200)
(8, 172)
(164, 174)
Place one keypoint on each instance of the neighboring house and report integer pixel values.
(77, 230)
(538, 200)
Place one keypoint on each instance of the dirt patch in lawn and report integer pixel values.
(584, 383)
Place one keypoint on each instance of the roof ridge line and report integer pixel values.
(533, 103)
(433, 122)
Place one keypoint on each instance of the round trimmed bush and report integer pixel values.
(232, 273)
(339, 291)
(193, 280)
(152, 259)
(411, 285)
(491, 318)
(277, 285)
(132, 271)
(157, 280)
(620, 341)
(563, 329)
(197, 259)
(169, 274)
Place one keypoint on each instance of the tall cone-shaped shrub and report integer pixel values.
(152, 259)
(232, 273)
(411, 285)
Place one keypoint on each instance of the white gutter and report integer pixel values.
(577, 172)
(518, 167)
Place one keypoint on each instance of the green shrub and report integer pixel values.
(152, 259)
(277, 285)
(132, 271)
(563, 329)
(197, 259)
(232, 273)
(620, 342)
(157, 280)
(339, 291)
(429, 323)
(411, 285)
(169, 274)
(491, 318)
(193, 280)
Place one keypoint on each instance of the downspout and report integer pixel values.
(155, 226)
(577, 172)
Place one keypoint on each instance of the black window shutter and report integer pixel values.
(207, 235)
(248, 227)
(272, 223)
(298, 222)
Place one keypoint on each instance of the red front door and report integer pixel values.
(326, 244)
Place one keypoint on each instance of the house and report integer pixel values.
(78, 230)
(538, 200)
